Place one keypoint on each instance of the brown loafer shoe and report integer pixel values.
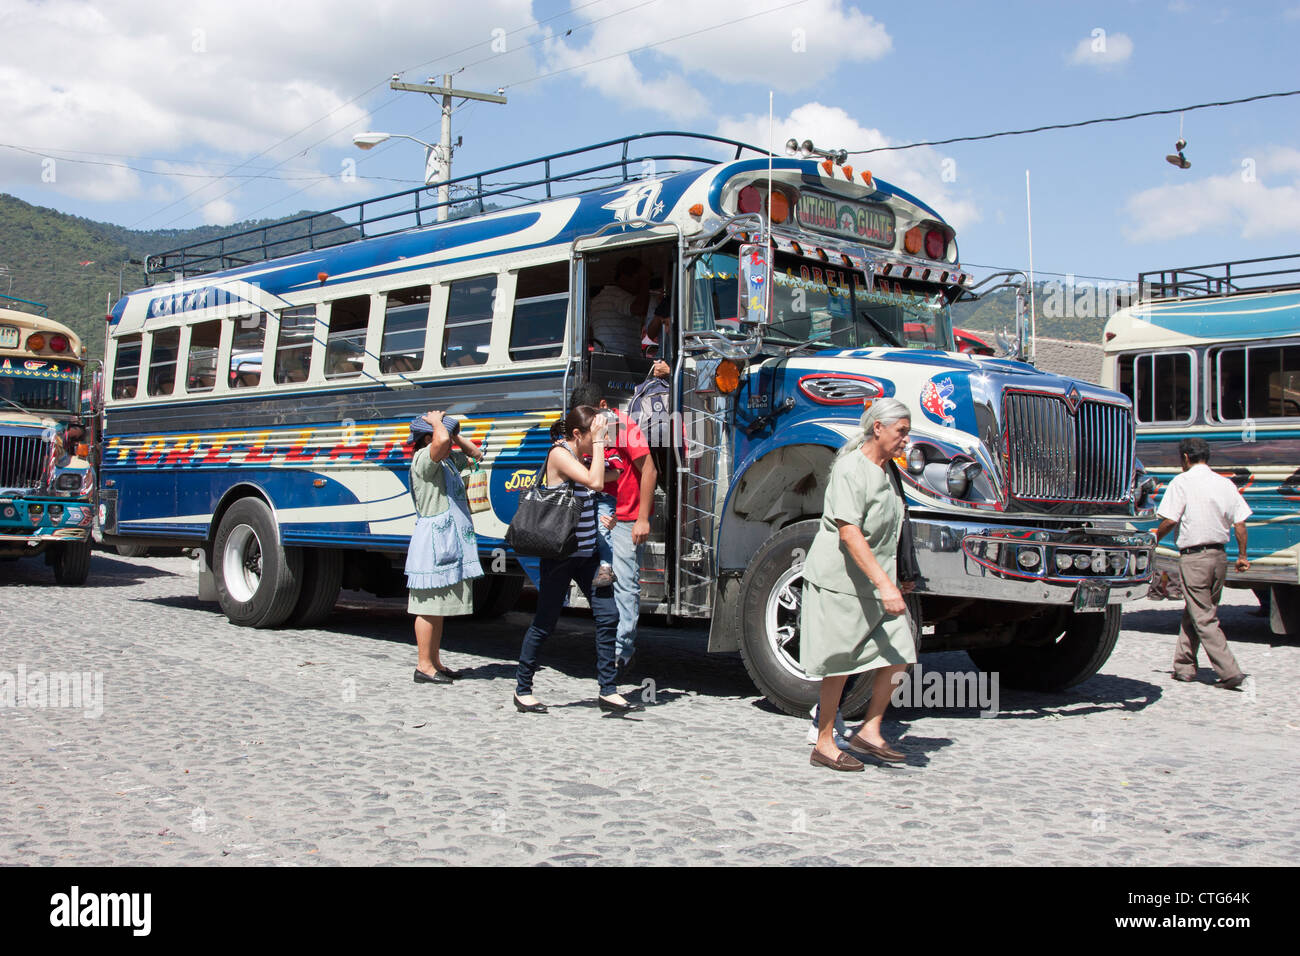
(1185, 678)
(842, 761)
(880, 753)
(1230, 683)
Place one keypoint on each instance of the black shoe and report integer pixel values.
(439, 678)
(448, 672)
(613, 707)
(528, 708)
(622, 666)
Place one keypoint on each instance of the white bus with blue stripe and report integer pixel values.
(258, 395)
(1213, 352)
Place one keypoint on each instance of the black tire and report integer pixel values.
(322, 576)
(496, 594)
(258, 579)
(1068, 648)
(71, 561)
(131, 550)
(770, 649)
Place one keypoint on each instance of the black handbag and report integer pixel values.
(546, 523)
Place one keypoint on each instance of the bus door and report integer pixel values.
(619, 289)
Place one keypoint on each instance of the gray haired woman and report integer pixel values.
(853, 616)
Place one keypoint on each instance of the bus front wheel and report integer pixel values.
(770, 600)
(258, 579)
(71, 561)
(1055, 652)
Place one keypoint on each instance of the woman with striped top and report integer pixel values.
(580, 435)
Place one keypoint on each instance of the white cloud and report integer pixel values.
(219, 212)
(1241, 202)
(790, 49)
(1102, 49)
(218, 81)
(923, 172)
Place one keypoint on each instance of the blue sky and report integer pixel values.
(187, 92)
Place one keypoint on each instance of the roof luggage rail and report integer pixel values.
(418, 207)
(1221, 279)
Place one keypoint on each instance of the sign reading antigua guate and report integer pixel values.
(871, 223)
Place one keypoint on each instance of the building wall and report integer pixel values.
(1080, 360)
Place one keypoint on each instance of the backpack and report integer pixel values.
(649, 408)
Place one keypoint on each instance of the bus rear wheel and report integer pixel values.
(322, 577)
(770, 601)
(71, 561)
(1063, 650)
(258, 579)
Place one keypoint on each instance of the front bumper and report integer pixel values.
(983, 560)
(35, 519)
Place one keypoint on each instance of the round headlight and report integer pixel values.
(1081, 562)
(1027, 558)
(1063, 561)
(915, 460)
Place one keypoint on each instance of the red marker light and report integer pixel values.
(59, 343)
(935, 244)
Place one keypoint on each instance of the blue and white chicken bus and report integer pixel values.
(257, 400)
(1213, 351)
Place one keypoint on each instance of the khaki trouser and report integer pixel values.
(1203, 575)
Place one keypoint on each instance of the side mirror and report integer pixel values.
(754, 285)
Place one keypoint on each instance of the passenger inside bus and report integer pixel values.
(628, 320)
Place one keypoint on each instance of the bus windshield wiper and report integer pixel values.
(25, 411)
(889, 336)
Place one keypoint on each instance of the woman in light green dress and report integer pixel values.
(853, 617)
(442, 558)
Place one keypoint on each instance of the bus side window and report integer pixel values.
(293, 348)
(406, 316)
(126, 367)
(468, 331)
(246, 350)
(162, 361)
(1159, 384)
(540, 313)
(1229, 391)
(345, 348)
(201, 363)
(1257, 382)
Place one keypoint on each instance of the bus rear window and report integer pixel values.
(1256, 382)
(345, 348)
(468, 332)
(406, 318)
(1159, 384)
(293, 348)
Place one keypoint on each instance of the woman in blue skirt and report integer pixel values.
(442, 559)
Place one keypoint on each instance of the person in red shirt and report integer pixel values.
(634, 502)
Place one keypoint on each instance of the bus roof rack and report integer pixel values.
(1272, 274)
(39, 309)
(534, 180)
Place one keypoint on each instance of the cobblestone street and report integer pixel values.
(218, 744)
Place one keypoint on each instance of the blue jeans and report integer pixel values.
(627, 587)
(604, 536)
(552, 589)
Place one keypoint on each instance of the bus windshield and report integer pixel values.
(815, 303)
(61, 394)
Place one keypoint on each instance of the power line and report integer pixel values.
(650, 46)
(1090, 122)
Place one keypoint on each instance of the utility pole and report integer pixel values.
(446, 92)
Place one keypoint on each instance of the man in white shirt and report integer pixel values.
(1204, 506)
(617, 312)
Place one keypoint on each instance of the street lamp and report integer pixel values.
(434, 169)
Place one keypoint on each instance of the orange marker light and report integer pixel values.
(829, 167)
(36, 341)
(697, 210)
(848, 172)
(727, 377)
(779, 207)
(322, 276)
(912, 240)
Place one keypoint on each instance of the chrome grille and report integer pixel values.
(23, 461)
(1053, 455)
